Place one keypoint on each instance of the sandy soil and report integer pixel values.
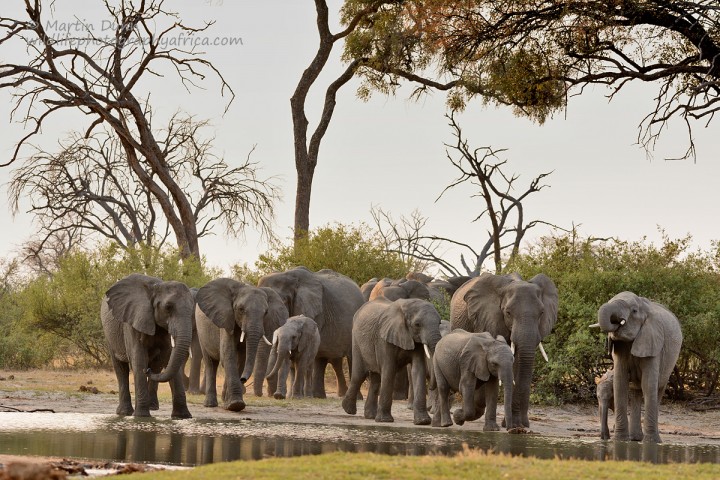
(72, 391)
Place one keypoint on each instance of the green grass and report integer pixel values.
(342, 466)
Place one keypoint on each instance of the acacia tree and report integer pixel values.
(307, 150)
(501, 207)
(87, 190)
(102, 77)
(535, 55)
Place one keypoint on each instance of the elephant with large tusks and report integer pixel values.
(645, 339)
(233, 320)
(524, 312)
(386, 336)
(296, 343)
(329, 298)
(148, 327)
(473, 364)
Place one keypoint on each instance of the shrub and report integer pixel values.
(355, 251)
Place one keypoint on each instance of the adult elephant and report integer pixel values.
(386, 336)
(232, 319)
(645, 341)
(473, 364)
(402, 288)
(148, 327)
(523, 311)
(329, 298)
(295, 343)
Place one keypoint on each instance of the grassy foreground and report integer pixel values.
(340, 466)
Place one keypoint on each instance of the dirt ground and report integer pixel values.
(73, 391)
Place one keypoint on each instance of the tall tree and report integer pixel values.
(536, 55)
(87, 190)
(103, 78)
(307, 150)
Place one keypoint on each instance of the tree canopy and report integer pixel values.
(534, 55)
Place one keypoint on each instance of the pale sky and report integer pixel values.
(389, 152)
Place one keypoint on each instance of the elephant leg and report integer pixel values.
(153, 395)
(604, 429)
(211, 366)
(441, 417)
(371, 404)
(357, 377)
(620, 395)
(139, 364)
(122, 373)
(467, 390)
(233, 388)
(636, 432)
(337, 364)
(387, 382)
(179, 400)
(195, 364)
(261, 369)
(401, 387)
(298, 385)
(319, 377)
(491, 397)
(420, 414)
(651, 394)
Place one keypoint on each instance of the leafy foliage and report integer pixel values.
(355, 251)
(588, 273)
(66, 304)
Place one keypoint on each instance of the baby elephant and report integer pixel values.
(604, 392)
(473, 364)
(296, 342)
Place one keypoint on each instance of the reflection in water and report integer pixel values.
(195, 442)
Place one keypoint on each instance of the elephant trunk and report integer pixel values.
(280, 355)
(506, 377)
(524, 365)
(178, 356)
(253, 336)
(611, 316)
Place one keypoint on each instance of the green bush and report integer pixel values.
(355, 251)
(589, 273)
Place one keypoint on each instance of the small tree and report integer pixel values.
(502, 208)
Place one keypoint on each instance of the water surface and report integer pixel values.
(201, 441)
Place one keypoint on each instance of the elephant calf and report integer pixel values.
(604, 391)
(296, 342)
(473, 364)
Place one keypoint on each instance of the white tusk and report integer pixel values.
(190, 352)
(542, 352)
(427, 350)
(266, 341)
(289, 352)
(622, 322)
(172, 341)
(512, 348)
(242, 336)
(275, 337)
(499, 383)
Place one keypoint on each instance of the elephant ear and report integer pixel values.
(484, 299)
(650, 339)
(473, 356)
(277, 313)
(549, 298)
(215, 300)
(307, 334)
(309, 299)
(131, 300)
(394, 323)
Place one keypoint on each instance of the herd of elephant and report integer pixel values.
(389, 331)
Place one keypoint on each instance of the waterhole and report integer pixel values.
(201, 441)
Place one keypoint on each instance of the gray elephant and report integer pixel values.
(402, 288)
(148, 326)
(329, 298)
(645, 341)
(232, 319)
(523, 311)
(297, 343)
(604, 392)
(193, 382)
(386, 336)
(473, 364)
